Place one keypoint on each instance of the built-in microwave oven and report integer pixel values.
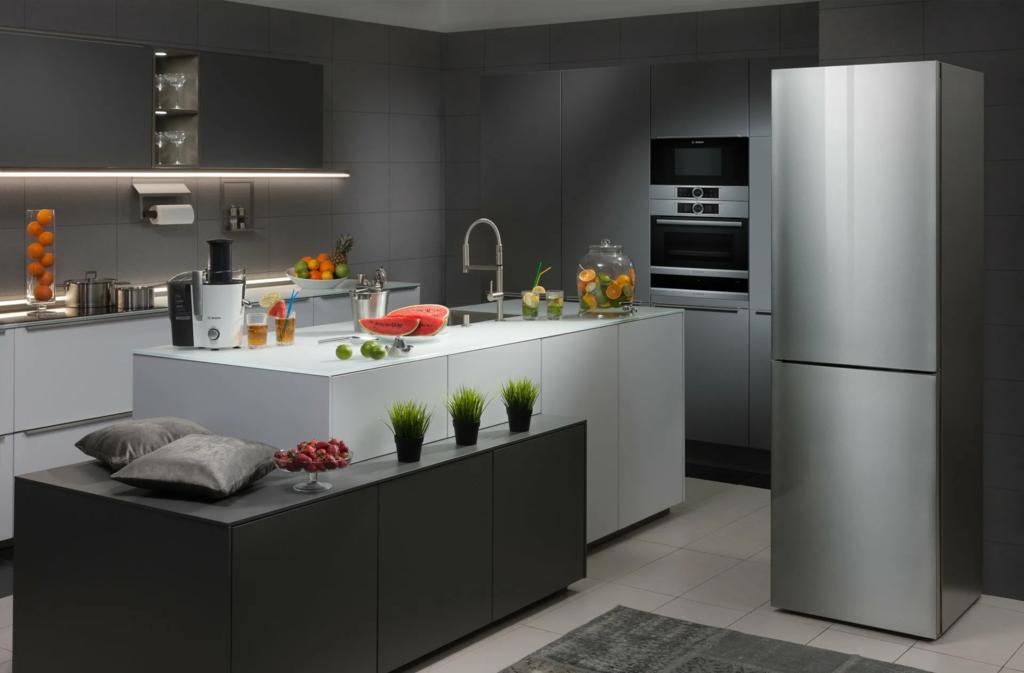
(720, 162)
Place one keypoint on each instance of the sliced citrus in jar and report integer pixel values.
(589, 300)
(627, 291)
(591, 288)
(632, 277)
(623, 280)
(587, 275)
(613, 291)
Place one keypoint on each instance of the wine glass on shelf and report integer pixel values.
(161, 140)
(161, 84)
(176, 80)
(178, 139)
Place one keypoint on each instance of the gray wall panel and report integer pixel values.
(1004, 462)
(462, 50)
(585, 40)
(1003, 195)
(233, 25)
(415, 138)
(158, 21)
(738, 29)
(517, 46)
(661, 35)
(877, 30)
(360, 86)
(1004, 520)
(462, 139)
(1004, 132)
(1004, 242)
(83, 17)
(415, 91)
(301, 34)
(954, 25)
(12, 14)
(798, 25)
(415, 234)
(1002, 569)
(361, 41)
(419, 48)
(12, 203)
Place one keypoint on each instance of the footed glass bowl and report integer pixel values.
(312, 466)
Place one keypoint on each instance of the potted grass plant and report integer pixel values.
(519, 396)
(466, 405)
(409, 423)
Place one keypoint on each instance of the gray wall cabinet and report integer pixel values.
(717, 371)
(70, 103)
(435, 560)
(606, 159)
(760, 251)
(707, 98)
(760, 380)
(761, 89)
(520, 148)
(260, 112)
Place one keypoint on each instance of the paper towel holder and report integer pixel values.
(149, 190)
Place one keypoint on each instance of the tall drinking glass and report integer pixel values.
(556, 299)
(256, 328)
(284, 330)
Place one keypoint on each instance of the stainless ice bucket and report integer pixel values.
(368, 304)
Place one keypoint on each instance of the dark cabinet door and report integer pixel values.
(434, 568)
(717, 375)
(761, 88)
(540, 518)
(606, 159)
(760, 380)
(303, 588)
(67, 103)
(708, 98)
(260, 112)
(520, 171)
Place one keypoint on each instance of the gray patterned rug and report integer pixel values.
(631, 641)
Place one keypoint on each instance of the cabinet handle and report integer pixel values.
(75, 424)
(709, 309)
(762, 312)
(700, 223)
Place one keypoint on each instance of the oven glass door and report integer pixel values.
(700, 161)
(696, 243)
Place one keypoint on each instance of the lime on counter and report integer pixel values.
(367, 346)
(378, 352)
(344, 352)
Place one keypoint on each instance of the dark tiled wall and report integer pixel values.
(383, 122)
(758, 32)
(986, 36)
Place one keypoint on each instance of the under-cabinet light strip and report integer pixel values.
(170, 174)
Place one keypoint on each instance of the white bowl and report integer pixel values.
(310, 284)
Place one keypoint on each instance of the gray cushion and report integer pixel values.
(200, 465)
(121, 443)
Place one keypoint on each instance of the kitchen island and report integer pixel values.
(623, 375)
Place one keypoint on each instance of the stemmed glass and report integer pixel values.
(177, 80)
(161, 84)
(178, 138)
(161, 140)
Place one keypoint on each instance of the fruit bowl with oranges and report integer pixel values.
(39, 233)
(317, 273)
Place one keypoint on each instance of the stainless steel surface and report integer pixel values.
(854, 236)
(75, 424)
(699, 223)
(667, 294)
(89, 292)
(684, 271)
(724, 193)
(492, 295)
(368, 303)
(717, 366)
(135, 297)
(460, 316)
(660, 297)
(197, 295)
(855, 518)
(398, 349)
(726, 209)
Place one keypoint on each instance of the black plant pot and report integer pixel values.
(466, 433)
(519, 420)
(409, 449)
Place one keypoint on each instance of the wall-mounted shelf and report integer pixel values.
(168, 116)
(152, 190)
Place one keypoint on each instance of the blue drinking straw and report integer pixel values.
(291, 300)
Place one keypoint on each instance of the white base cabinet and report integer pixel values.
(487, 369)
(6, 487)
(6, 381)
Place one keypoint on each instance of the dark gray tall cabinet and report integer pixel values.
(717, 370)
(707, 98)
(520, 171)
(606, 162)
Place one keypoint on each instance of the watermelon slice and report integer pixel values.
(391, 325)
(429, 324)
(279, 310)
(423, 309)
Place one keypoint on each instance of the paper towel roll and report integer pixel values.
(175, 213)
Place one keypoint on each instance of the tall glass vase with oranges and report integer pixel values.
(40, 239)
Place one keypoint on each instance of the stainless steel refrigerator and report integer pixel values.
(877, 253)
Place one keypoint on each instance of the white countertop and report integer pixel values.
(309, 357)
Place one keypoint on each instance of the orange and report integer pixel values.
(315, 275)
(590, 300)
(47, 259)
(326, 275)
(321, 257)
(45, 217)
(34, 228)
(46, 278)
(313, 265)
(632, 277)
(35, 269)
(327, 265)
(613, 291)
(581, 286)
(43, 293)
(587, 275)
(308, 259)
(623, 280)
(46, 238)
(35, 251)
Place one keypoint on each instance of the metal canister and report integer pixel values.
(368, 303)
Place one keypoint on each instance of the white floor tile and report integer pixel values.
(6, 611)
(7, 666)
(763, 556)
(743, 587)
(740, 539)
(685, 526)
(767, 610)
(984, 633)
(500, 652)
(942, 663)
(872, 648)
(701, 489)
(6, 656)
(596, 603)
(999, 602)
(700, 613)
(623, 556)
(872, 633)
(574, 591)
(779, 629)
(7, 638)
(1016, 662)
(763, 514)
(743, 499)
(678, 572)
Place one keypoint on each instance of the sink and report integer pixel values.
(456, 317)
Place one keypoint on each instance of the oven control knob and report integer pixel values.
(214, 334)
(698, 208)
(698, 193)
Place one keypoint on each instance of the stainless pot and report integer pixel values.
(135, 297)
(89, 292)
(368, 304)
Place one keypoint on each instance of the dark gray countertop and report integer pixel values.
(274, 494)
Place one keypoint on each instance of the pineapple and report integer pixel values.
(342, 247)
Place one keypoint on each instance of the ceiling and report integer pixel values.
(448, 16)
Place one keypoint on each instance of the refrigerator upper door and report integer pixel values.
(854, 203)
(855, 511)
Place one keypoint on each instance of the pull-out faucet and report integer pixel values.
(498, 296)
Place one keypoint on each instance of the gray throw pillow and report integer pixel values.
(208, 466)
(121, 443)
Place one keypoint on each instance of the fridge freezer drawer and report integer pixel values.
(855, 510)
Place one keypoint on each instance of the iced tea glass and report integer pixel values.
(256, 327)
(284, 330)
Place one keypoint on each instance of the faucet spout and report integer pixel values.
(492, 295)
